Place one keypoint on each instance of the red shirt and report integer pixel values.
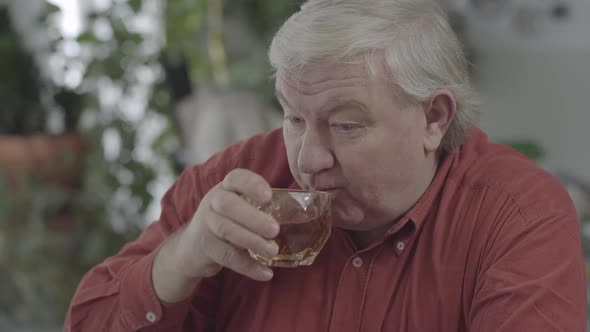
(492, 245)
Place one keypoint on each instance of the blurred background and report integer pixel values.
(104, 102)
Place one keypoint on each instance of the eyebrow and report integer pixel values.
(334, 106)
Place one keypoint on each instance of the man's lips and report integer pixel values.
(327, 186)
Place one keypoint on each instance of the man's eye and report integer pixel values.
(346, 127)
(294, 120)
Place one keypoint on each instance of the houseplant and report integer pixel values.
(56, 222)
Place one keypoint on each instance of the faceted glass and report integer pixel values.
(305, 221)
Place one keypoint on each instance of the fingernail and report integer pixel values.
(273, 228)
(272, 248)
(267, 274)
(265, 194)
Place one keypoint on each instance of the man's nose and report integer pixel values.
(314, 155)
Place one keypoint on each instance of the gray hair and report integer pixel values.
(422, 53)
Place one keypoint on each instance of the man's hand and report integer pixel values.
(222, 229)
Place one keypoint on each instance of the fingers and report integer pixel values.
(238, 260)
(228, 230)
(248, 183)
(234, 207)
(225, 225)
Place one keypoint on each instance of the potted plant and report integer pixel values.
(65, 204)
(27, 151)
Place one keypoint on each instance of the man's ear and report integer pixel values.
(439, 112)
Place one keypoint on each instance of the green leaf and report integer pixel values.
(87, 37)
(529, 148)
(50, 9)
(136, 5)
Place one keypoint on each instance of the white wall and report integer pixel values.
(545, 98)
(538, 87)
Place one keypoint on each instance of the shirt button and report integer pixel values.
(151, 317)
(357, 262)
(400, 246)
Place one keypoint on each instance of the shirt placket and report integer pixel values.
(353, 311)
(351, 292)
(386, 270)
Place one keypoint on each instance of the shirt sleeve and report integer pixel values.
(532, 279)
(118, 294)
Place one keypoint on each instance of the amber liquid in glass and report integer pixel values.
(300, 243)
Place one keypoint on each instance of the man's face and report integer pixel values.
(349, 134)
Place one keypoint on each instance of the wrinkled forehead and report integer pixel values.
(316, 76)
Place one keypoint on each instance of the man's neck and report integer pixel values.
(363, 239)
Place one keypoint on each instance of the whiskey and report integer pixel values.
(305, 225)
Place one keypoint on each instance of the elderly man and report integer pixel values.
(436, 229)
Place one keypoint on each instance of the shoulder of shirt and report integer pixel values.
(500, 169)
